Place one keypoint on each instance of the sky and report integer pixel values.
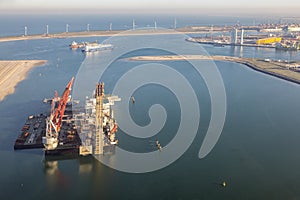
(286, 7)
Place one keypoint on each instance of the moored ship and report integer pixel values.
(64, 133)
(96, 125)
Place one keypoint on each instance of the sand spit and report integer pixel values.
(285, 70)
(100, 33)
(14, 71)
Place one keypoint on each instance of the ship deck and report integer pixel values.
(31, 134)
(69, 140)
(34, 130)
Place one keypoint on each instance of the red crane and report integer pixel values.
(114, 129)
(58, 113)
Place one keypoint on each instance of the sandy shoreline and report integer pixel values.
(14, 71)
(99, 33)
(286, 71)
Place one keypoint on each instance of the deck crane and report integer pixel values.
(59, 112)
(54, 121)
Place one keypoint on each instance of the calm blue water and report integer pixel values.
(257, 154)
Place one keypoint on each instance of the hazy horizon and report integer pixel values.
(288, 8)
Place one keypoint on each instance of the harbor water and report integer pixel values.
(257, 154)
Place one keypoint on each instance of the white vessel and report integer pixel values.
(91, 47)
(96, 125)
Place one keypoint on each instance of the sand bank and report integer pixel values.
(12, 72)
(283, 70)
(101, 33)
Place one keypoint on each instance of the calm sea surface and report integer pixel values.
(257, 154)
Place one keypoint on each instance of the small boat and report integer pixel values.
(158, 145)
(133, 99)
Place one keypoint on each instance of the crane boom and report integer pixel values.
(54, 121)
(60, 110)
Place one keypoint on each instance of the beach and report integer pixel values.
(284, 70)
(13, 72)
(102, 33)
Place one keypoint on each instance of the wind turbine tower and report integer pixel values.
(47, 29)
(25, 31)
(67, 28)
(133, 24)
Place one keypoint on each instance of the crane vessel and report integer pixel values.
(63, 132)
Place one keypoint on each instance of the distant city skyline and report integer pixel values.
(264, 7)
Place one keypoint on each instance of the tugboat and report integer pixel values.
(75, 45)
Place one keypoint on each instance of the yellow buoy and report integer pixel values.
(224, 184)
